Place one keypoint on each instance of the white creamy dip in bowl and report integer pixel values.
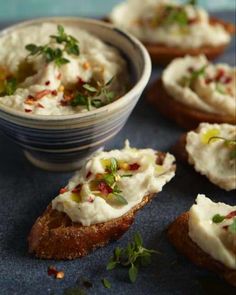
(57, 135)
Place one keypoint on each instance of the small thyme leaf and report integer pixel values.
(133, 273)
(217, 218)
(79, 100)
(232, 227)
(120, 199)
(106, 283)
(89, 88)
(10, 86)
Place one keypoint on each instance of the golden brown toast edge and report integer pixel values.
(179, 237)
(183, 115)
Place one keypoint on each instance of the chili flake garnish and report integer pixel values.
(52, 271)
(134, 166)
(63, 190)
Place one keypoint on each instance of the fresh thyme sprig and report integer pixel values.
(56, 54)
(91, 95)
(230, 143)
(133, 256)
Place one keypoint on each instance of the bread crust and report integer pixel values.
(186, 117)
(55, 236)
(163, 55)
(179, 237)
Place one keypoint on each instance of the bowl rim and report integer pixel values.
(123, 100)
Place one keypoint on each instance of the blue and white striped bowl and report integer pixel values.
(61, 143)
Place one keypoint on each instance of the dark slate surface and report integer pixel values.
(25, 191)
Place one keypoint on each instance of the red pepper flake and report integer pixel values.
(52, 271)
(88, 174)
(42, 93)
(134, 166)
(63, 103)
(28, 111)
(47, 83)
(59, 76)
(40, 106)
(77, 189)
(219, 74)
(30, 97)
(225, 227)
(227, 80)
(54, 92)
(208, 80)
(190, 69)
(90, 200)
(63, 190)
(230, 215)
(104, 188)
(192, 21)
(80, 81)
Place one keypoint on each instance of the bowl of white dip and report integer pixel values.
(67, 86)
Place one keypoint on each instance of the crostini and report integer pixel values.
(206, 234)
(192, 90)
(100, 202)
(211, 149)
(170, 30)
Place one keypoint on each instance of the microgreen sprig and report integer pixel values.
(133, 256)
(56, 54)
(91, 95)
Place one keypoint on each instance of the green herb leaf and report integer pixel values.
(192, 2)
(219, 88)
(111, 265)
(114, 165)
(97, 103)
(232, 227)
(126, 175)
(106, 283)
(218, 218)
(138, 239)
(109, 179)
(79, 100)
(120, 199)
(89, 88)
(10, 86)
(133, 272)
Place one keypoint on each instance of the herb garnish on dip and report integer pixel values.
(59, 70)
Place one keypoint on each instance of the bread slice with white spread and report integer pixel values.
(100, 202)
(211, 149)
(206, 234)
(193, 90)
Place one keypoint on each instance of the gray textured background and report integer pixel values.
(25, 191)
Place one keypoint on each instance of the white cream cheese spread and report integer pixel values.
(47, 69)
(212, 226)
(169, 23)
(211, 150)
(112, 183)
(198, 84)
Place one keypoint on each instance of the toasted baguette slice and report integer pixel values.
(179, 149)
(179, 237)
(183, 115)
(162, 54)
(55, 236)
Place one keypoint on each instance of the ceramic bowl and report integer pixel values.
(61, 143)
